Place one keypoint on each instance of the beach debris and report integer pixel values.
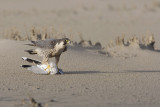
(42, 69)
(34, 102)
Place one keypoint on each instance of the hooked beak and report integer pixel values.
(68, 41)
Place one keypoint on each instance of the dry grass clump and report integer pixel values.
(15, 34)
(128, 48)
(120, 41)
(133, 41)
(84, 43)
(12, 34)
(35, 33)
(152, 7)
(34, 103)
(156, 4)
(123, 7)
(87, 43)
(148, 42)
(121, 47)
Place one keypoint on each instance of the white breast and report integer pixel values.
(59, 47)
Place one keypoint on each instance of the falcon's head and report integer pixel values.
(65, 41)
(62, 43)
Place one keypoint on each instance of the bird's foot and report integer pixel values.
(48, 68)
(60, 71)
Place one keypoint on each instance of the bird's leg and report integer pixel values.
(57, 60)
(45, 61)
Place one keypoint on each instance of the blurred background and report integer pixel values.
(95, 20)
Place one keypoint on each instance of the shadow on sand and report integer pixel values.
(147, 71)
(83, 72)
(7, 99)
(100, 72)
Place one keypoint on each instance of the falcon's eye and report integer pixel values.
(67, 41)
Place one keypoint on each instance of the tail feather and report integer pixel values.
(26, 66)
(34, 42)
(30, 44)
(32, 51)
(31, 60)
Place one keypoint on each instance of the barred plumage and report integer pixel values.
(49, 48)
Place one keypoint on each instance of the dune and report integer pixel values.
(91, 79)
(96, 20)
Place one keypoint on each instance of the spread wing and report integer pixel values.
(47, 44)
(35, 69)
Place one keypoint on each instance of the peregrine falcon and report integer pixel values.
(50, 48)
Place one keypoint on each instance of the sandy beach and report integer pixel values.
(122, 72)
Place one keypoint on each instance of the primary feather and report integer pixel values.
(47, 44)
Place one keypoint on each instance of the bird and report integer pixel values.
(49, 48)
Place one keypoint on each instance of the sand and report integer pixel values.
(91, 79)
(129, 77)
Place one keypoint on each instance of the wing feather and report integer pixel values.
(47, 44)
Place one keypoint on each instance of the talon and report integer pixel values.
(48, 67)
